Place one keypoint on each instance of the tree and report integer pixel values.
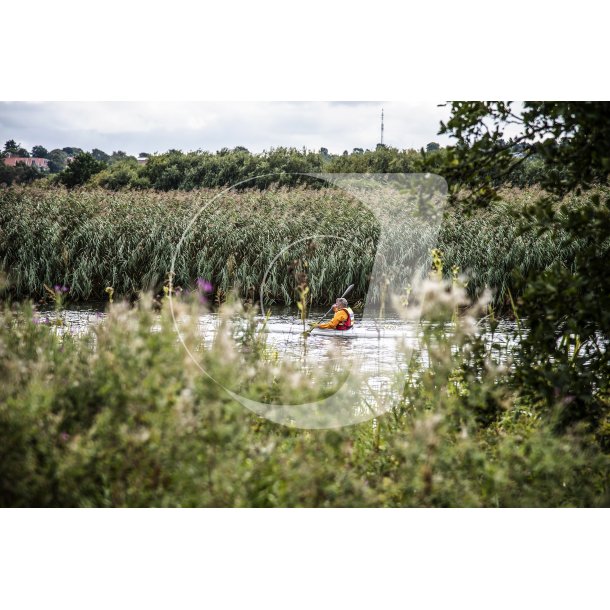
(15, 149)
(119, 155)
(564, 363)
(40, 152)
(82, 168)
(58, 160)
(72, 151)
(144, 155)
(357, 151)
(100, 155)
(11, 146)
(20, 174)
(432, 146)
(573, 136)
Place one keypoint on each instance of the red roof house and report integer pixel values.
(38, 162)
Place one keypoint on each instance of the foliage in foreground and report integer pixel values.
(123, 417)
(565, 355)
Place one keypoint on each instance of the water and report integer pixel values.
(362, 376)
(386, 344)
(381, 360)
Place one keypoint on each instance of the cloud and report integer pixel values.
(158, 126)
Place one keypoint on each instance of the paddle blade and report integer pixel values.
(349, 289)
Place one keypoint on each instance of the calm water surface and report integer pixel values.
(397, 341)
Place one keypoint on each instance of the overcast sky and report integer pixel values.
(158, 126)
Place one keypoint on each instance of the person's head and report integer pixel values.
(341, 303)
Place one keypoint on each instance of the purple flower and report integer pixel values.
(204, 285)
(64, 436)
(60, 289)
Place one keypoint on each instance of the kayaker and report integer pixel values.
(343, 318)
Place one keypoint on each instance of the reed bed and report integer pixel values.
(89, 240)
(496, 246)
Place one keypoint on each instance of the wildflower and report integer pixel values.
(431, 296)
(204, 285)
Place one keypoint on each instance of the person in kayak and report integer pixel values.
(343, 318)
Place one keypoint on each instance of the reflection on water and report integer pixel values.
(360, 371)
(377, 346)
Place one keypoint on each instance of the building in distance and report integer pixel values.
(37, 162)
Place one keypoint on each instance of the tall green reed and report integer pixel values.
(89, 240)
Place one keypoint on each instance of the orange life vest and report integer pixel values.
(347, 324)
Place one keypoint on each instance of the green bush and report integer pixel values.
(80, 170)
(121, 416)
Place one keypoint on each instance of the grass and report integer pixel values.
(491, 246)
(121, 416)
(91, 240)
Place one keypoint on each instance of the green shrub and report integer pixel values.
(122, 416)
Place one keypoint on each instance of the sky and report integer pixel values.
(151, 127)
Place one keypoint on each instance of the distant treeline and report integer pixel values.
(177, 170)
